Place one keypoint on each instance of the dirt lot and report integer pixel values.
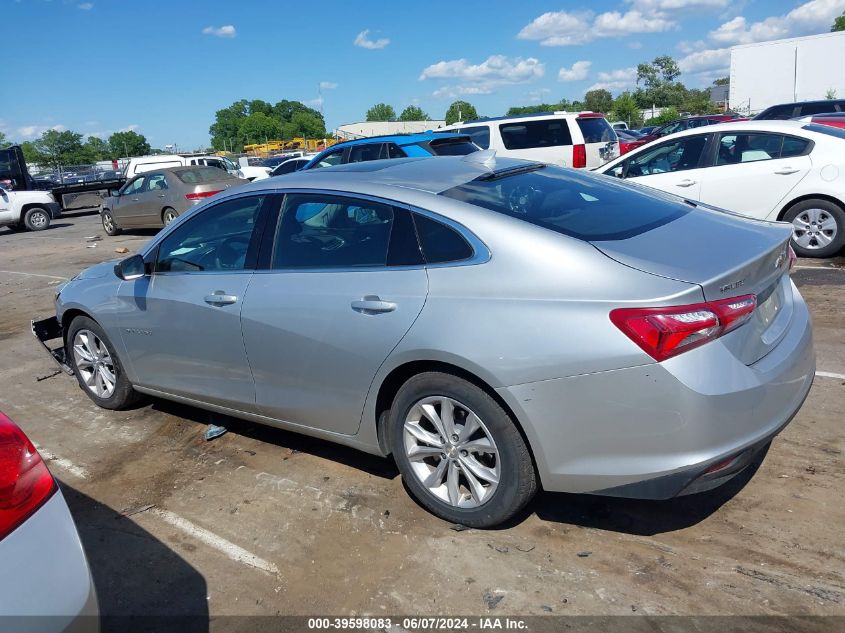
(263, 522)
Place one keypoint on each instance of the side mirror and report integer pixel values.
(131, 268)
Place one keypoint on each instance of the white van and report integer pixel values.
(568, 139)
(142, 164)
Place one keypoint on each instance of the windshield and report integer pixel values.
(583, 206)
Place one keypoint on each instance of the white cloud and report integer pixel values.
(460, 91)
(579, 71)
(227, 30)
(327, 85)
(134, 127)
(714, 60)
(537, 95)
(687, 47)
(315, 103)
(30, 132)
(563, 28)
(85, 6)
(496, 68)
(676, 6)
(363, 40)
(814, 16)
(616, 80)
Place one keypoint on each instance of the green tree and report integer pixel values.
(413, 113)
(127, 144)
(698, 102)
(260, 128)
(30, 154)
(460, 111)
(226, 130)
(838, 23)
(4, 141)
(599, 100)
(381, 112)
(722, 81)
(97, 148)
(55, 148)
(669, 114)
(830, 94)
(657, 83)
(625, 108)
(304, 124)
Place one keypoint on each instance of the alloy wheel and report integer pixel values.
(451, 452)
(108, 222)
(94, 364)
(814, 228)
(169, 216)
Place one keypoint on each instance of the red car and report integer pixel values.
(687, 123)
(628, 141)
(834, 119)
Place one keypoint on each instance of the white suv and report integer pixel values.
(568, 139)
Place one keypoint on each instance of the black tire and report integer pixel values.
(168, 215)
(517, 479)
(109, 224)
(825, 210)
(36, 219)
(123, 394)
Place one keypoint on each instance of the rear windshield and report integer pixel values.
(596, 130)
(452, 147)
(197, 175)
(583, 206)
(838, 132)
(531, 134)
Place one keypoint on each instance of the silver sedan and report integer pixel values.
(495, 325)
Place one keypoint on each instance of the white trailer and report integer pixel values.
(785, 71)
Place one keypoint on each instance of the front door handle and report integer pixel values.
(220, 298)
(372, 304)
(135, 199)
(786, 171)
(161, 195)
(686, 183)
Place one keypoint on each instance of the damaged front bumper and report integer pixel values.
(47, 330)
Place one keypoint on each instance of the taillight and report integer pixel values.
(201, 194)
(579, 155)
(25, 482)
(666, 332)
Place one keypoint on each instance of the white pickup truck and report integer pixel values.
(32, 210)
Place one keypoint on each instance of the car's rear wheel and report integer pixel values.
(109, 225)
(818, 228)
(459, 452)
(36, 219)
(96, 365)
(168, 215)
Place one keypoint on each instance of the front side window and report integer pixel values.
(479, 134)
(748, 148)
(134, 186)
(218, 239)
(534, 134)
(329, 160)
(323, 231)
(678, 155)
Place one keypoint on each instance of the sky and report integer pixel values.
(163, 67)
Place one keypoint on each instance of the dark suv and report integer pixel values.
(785, 111)
(679, 125)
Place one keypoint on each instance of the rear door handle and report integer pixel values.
(161, 195)
(685, 183)
(372, 304)
(220, 298)
(786, 171)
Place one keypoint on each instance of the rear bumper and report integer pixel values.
(653, 431)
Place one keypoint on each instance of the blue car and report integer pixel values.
(394, 146)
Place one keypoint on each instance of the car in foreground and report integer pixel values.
(156, 198)
(569, 139)
(46, 582)
(784, 111)
(392, 146)
(686, 123)
(771, 170)
(496, 325)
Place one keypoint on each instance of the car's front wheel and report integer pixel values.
(97, 366)
(36, 219)
(818, 228)
(459, 452)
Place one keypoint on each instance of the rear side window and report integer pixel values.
(749, 148)
(596, 130)
(838, 132)
(531, 134)
(394, 151)
(778, 113)
(793, 146)
(480, 135)
(198, 175)
(584, 206)
(439, 242)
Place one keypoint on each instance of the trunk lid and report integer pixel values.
(728, 256)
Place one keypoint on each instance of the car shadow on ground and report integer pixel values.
(371, 464)
(141, 583)
(637, 516)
